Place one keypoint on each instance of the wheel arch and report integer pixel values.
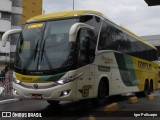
(106, 81)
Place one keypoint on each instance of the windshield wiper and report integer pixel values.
(34, 54)
(36, 51)
(43, 53)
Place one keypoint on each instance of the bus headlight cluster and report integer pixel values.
(65, 80)
(69, 79)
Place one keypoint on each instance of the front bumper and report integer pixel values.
(50, 93)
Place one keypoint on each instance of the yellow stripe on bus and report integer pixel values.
(26, 78)
(145, 70)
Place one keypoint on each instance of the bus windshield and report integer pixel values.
(45, 45)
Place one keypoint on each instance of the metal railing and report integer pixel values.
(6, 87)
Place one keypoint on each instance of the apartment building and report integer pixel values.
(13, 14)
(10, 18)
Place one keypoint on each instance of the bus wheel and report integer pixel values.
(151, 86)
(146, 89)
(53, 102)
(102, 92)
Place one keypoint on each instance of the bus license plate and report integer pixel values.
(36, 96)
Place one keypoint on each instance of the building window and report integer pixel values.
(5, 15)
(1, 33)
(17, 3)
(16, 20)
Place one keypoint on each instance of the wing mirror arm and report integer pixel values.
(7, 34)
(75, 28)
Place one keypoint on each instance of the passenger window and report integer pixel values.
(107, 40)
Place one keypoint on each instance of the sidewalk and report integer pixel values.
(8, 99)
(6, 96)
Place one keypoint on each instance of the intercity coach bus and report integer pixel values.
(81, 54)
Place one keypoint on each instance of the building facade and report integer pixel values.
(10, 18)
(31, 8)
(13, 14)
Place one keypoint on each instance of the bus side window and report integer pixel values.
(107, 40)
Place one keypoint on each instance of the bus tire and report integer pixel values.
(146, 89)
(101, 97)
(151, 86)
(53, 102)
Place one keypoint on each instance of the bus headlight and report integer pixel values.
(65, 80)
(69, 79)
(16, 81)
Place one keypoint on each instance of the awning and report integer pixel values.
(152, 2)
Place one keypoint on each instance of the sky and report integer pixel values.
(135, 15)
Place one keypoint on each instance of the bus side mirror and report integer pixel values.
(7, 34)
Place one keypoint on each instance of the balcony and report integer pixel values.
(17, 10)
(6, 6)
(5, 52)
(152, 2)
(5, 25)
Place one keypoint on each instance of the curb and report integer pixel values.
(111, 107)
(133, 100)
(9, 101)
(150, 97)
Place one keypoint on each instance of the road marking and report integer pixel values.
(9, 100)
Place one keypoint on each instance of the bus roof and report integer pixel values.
(65, 14)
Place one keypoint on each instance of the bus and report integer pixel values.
(81, 54)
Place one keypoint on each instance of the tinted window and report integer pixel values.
(110, 38)
(141, 50)
(114, 38)
(93, 21)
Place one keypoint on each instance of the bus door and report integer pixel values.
(86, 55)
(85, 82)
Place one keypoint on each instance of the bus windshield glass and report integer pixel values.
(45, 45)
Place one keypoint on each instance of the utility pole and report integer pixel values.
(73, 4)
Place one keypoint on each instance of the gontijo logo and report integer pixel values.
(144, 65)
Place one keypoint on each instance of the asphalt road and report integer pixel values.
(83, 109)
